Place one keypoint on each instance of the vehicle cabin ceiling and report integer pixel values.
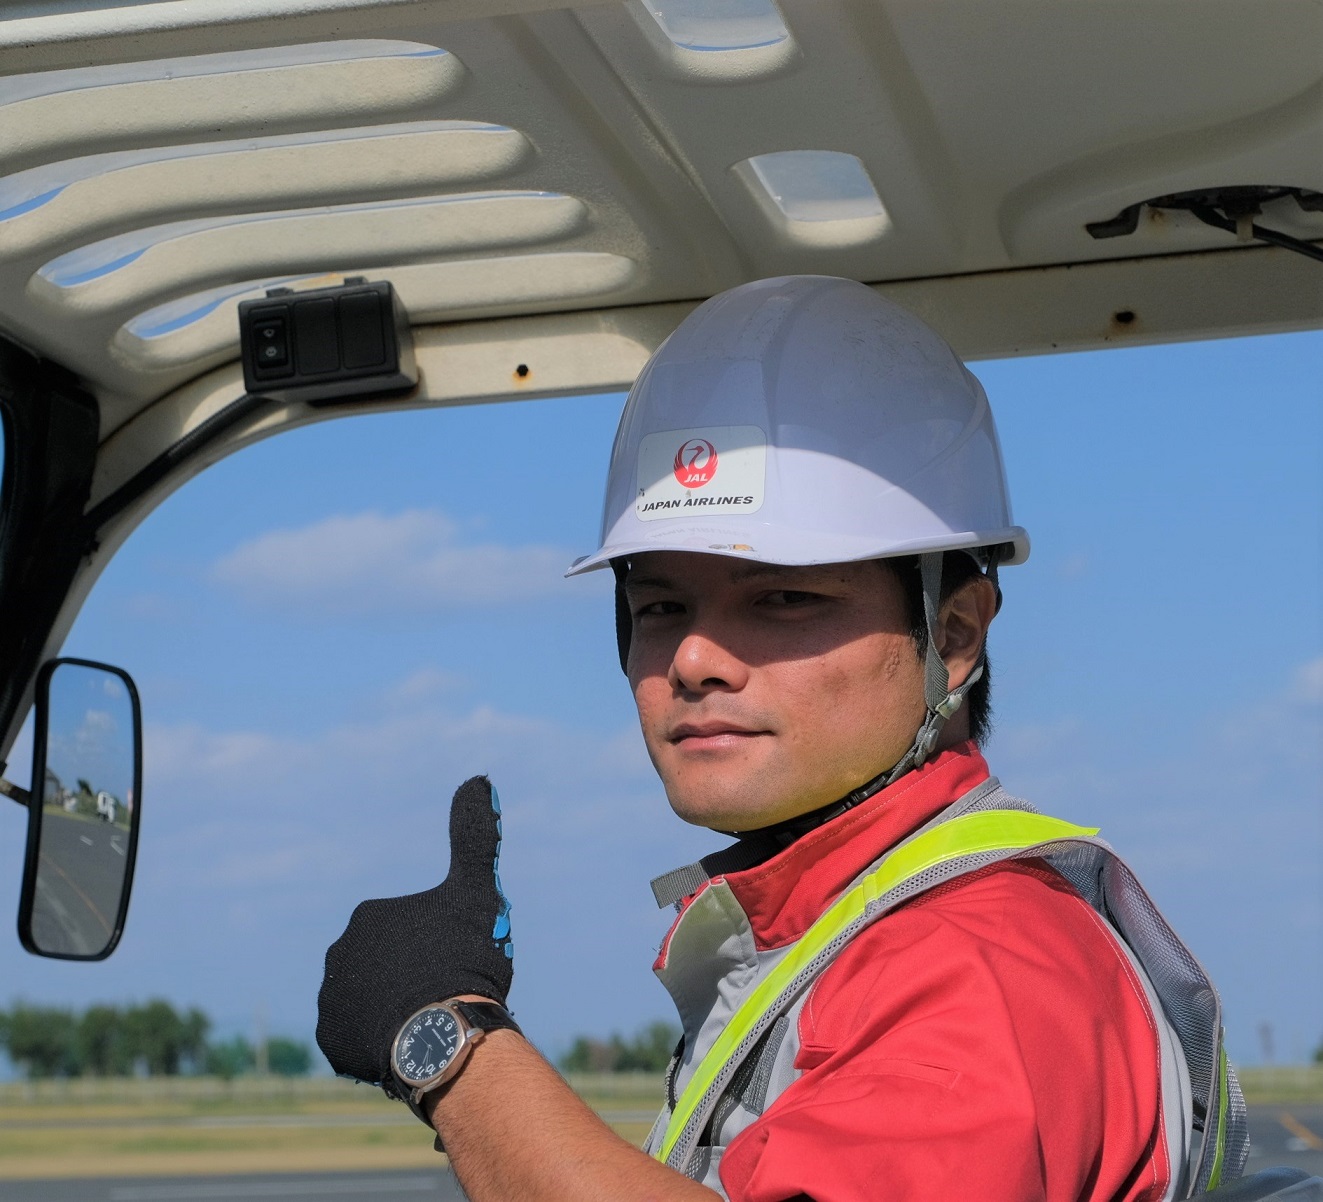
(161, 162)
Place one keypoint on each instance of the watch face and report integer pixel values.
(426, 1045)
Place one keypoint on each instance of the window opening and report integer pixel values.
(711, 25)
(817, 185)
(111, 254)
(821, 199)
(45, 83)
(25, 191)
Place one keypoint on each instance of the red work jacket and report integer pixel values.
(987, 1040)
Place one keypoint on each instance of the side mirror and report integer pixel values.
(83, 811)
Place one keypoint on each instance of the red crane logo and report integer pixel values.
(696, 463)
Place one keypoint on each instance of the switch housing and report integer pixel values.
(347, 342)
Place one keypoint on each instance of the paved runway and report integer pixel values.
(342, 1187)
(1286, 1135)
(79, 881)
(1289, 1135)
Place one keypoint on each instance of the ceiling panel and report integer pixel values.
(161, 162)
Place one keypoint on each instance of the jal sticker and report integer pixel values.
(695, 463)
(714, 470)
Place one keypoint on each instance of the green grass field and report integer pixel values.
(173, 1126)
(1282, 1083)
(187, 1125)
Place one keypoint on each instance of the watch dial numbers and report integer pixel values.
(427, 1045)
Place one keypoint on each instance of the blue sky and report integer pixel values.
(332, 629)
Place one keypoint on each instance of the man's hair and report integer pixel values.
(957, 570)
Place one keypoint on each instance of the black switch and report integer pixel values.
(271, 343)
(362, 341)
(315, 343)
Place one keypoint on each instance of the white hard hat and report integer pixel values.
(805, 420)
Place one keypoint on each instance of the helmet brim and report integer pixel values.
(802, 549)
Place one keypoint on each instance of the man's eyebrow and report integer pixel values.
(755, 571)
(744, 571)
(634, 581)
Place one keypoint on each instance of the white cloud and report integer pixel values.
(88, 748)
(1308, 683)
(426, 684)
(96, 723)
(94, 746)
(189, 752)
(374, 563)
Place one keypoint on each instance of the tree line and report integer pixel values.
(152, 1039)
(649, 1051)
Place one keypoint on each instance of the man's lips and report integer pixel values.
(695, 735)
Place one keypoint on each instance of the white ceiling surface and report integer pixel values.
(160, 162)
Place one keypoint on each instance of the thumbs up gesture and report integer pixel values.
(398, 954)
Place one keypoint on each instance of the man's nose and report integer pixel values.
(703, 662)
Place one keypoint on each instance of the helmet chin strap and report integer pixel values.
(941, 703)
(941, 700)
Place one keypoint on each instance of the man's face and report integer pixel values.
(765, 692)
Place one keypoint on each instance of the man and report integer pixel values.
(899, 982)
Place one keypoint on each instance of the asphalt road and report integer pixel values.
(342, 1187)
(1286, 1135)
(1289, 1135)
(78, 882)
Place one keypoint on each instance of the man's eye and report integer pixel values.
(657, 609)
(789, 596)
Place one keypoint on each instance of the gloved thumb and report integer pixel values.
(475, 834)
(475, 849)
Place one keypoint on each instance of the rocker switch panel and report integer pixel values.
(349, 342)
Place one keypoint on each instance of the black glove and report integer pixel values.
(400, 953)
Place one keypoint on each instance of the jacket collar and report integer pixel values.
(784, 896)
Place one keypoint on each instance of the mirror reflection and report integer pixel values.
(88, 811)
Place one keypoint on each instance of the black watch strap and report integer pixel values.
(486, 1016)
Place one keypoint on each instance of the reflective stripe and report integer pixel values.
(968, 834)
(1220, 1148)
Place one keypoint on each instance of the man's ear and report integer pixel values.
(962, 627)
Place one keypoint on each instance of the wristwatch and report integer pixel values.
(434, 1043)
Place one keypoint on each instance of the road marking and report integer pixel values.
(87, 901)
(1300, 1131)
(366, 1187)
(116, 847)
(86, 840)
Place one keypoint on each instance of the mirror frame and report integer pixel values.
(27, 894)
